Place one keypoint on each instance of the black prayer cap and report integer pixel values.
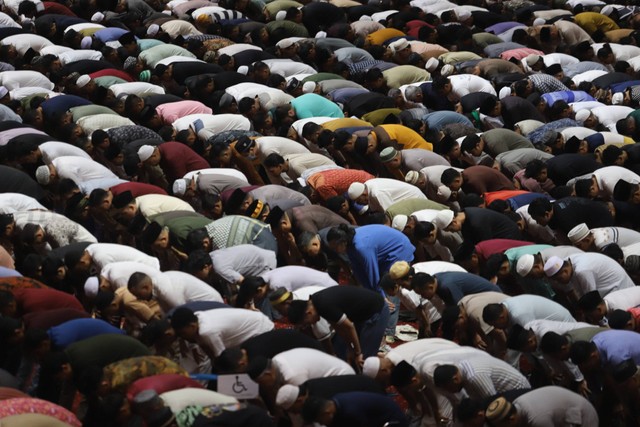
(622, 190)
(123, 199)
(151, 233)
(590, 301)
(234, 201)
(274, 217)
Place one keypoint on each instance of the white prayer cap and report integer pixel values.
(83, 80)
(443, 219)
(285, 43)
(91, 286)
(582, 115)
(145, 152)
(287, 395)
(444, 191)
(578, 233)
(3, 91)
(365, 18)
(153, 30)
(281, 15)
(321, 35)
(463, 14)
(539, 21)
(525, 264)
(412, 177)
(504, 92)
(43, 175)
(607, 10)
(308, 87)
(399, 45)
(399, 222)
(371, 367)
(432, 64)
(447, 70)
(97, 17)
(180, 187)
(86, 42)
(356, 190)
(243, 69)
(617, 98)
(553, 265)
(532, 59)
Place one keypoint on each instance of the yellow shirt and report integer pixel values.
(347, 122)
(593, 21)
(381, 36)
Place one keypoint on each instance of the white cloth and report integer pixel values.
(104, 254)
(175, 288)
(277, 144)
(81, 169)
(53, 149)
(136, 88)
(78, 55)
(609, 115)
(15, 202)
(294, 277)
(217, 171)
(229, 327)
(213, 124)
(623, 299)
(236, 262)
(118, 273)
(464, 84)
(301, 364)
(24, 78)
(594, 271)
(153, 204)
(24, 42)
(288, 67)
(59, 228)
(179, 399)
(384, 192)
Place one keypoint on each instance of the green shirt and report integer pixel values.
(103, 350)
(377, 117)
(106, 81)
(534, 286)
(89, 110)
(584, 334)
(318, 77)
(485, 39)
(181, 223)
(277, 5)
(409, 206)
(291, 28)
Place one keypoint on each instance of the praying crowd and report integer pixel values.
(385, 213)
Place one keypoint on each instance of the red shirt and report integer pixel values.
(161, 384)
(35, 300)
(137, 189)
(177, 160)
(56, 8)
(335, 182)
(495, 246)
(502, 195)
(49, 319)
(112, 72)
(18, 282)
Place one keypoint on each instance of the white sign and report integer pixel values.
(240, 386)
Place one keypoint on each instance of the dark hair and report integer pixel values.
(468, 408)
(582, 187)
(296, 312)
(449, 175)
(581, 350)
(341, 234)
(182, 318)
(422, 229)
(534, 168)
(273, 160)
(439, 83)
(611, 154)
(492, 266)
(622, 127)
(197, 260)
(499, 205)
(310, 128)
(421, 280)
(539, 207)
(443, 375)
(135, 279)
(229, 360)
(6, 298)
(613, 251)
(551, 342)
(313, 407)
(618, 319)
(492, 312)
(248, 290)
(195, 238)
(471, 200)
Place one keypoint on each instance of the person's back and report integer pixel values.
(554, 405)
(525, 308)
(103, 350)
(301, 364)
(483, 224)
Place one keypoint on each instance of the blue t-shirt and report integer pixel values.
(76, 330)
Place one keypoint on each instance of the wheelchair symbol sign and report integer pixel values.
(240, 386)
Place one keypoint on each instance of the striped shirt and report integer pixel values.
(486, 376)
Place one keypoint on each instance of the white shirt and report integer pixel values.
(217, 171)
(80, 169)
(384, 192)
(153, 204)
(608, 176)
(22, 92)
(229, 327)
(15, 202)
(588, 76)
(6, 21)
(623, 299)
(237, 48)
(177, 58)
(23, 42)
(609, 115)
(58, 227)
(55, 49)
(277, 144)
(435, 267)
(175, 288)
(301, 364)
(118, 273)
(294, 277)
(408, 351)
(559, 58)
(102, 121)
(464, 84)
(593, 271)
(136, 88)
(54, 149)
(621, 236)
(621, 52)
(213, 124)
(78, 55)
(24, 78)
(288, 67)
(233, 263)
(104, 254)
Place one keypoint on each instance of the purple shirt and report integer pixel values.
(616, 346)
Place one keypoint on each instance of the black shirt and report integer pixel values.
(485, 224)
(358, 304)
(564, 167)
(13, 180)
(277, 341)
(330, 386)
(571, 211)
